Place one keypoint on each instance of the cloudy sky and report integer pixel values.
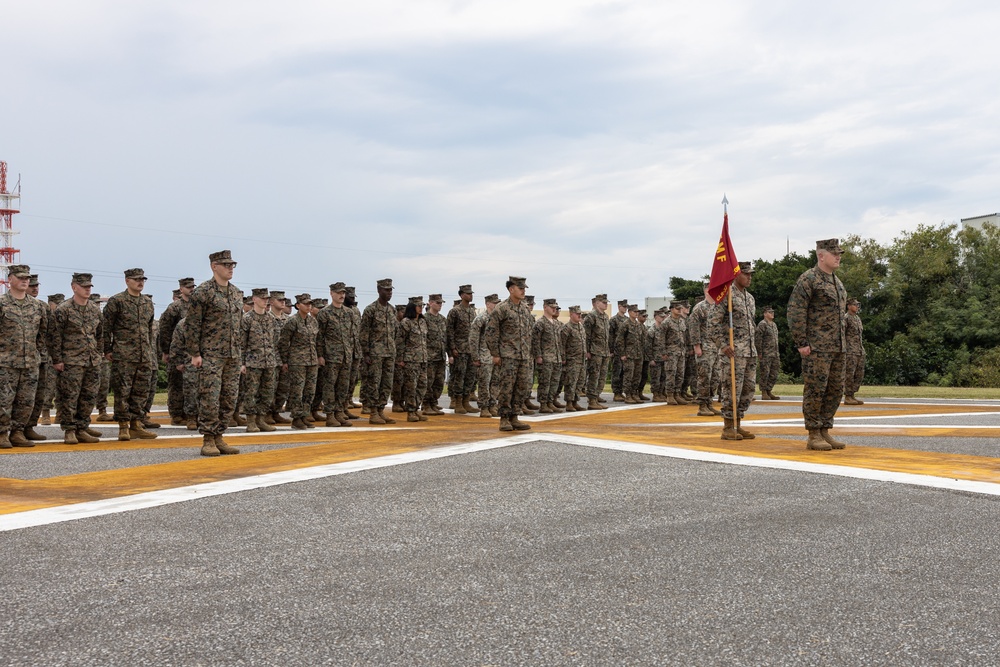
(584, 145)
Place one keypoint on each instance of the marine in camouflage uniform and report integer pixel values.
(854, 362)
(630, 342)
(213, 338)
(707, 339)
(281, 383)
(23, 329)
(76, 342)
(129, 344)
(49, 393)
(335, 344)
(318, 304)
(260, 361)
(154, 377)
(508, 337)
(411, 350)
(483, 362)
(437, 354)
(656, 350)
(546, 349)
(377, 340)
(105, 389)
(463, 375)
(180, 359)
(617, 367)
(816, 319)
(597, 334)
(297, 350)
(397, 377)
(744, 356)
(45, 371)
(766, 339)
(674, 351)
(689, 387)
(647, 352)
(352, 302)
(172, 314)
(573, 339)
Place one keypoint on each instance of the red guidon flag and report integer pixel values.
(725, 267)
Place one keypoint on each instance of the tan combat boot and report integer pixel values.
(495, 411)
(350, 415)
(485, 413)
(459, 405)
(149, 423)
(679, 397)
(177, 420)
(570, 407)
(387, 420)
(69, 437)
(715, 410)
(530, 404)
(773, 397)
(619, 397)
(505, 424)
(729, 431)
(580, 408)
(137, 430)
(4, 441)
(31, 434)
(632, 400)
(672, 399)
(252, 424)
(17, 439)
(397, 406)
(594, 404)
(817, 442)
(208, 447)
(123, 433)
(556, 403)
(546, 408)
(279, 419)
(851, 400)
(103, 416)
(412, 417)
(224, 447)
(451, 402)
(518, 424)
(342, 418)
(704, 411)
(192, 424)
(331, 420)
(45, 419)
(375, 418)
(836, 444)
(263, 425)
(318, 416)
(92, 432)
(267, 419)
(82, 435)
(421, 416)
(469, 408)
(298, 424)
(747, 435)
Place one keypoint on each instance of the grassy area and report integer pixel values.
(904, 392)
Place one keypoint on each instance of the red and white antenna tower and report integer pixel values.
(9, 202)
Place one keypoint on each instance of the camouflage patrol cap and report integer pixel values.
(259, 292)
(417, 301)
(400, 307)
(278, 294)
(33, 280)
(56, 298)
(746, 267)
(94, 296)
(248, 300)
(623, 302)
(221, 257)
(176, 292)
(83, 279)
(551, 302)
(768, 309)
(385, 283)
(642, 312)
(829, 245)
(574, 309)
(305, 297)
(529, 298)
(456, 302)
(684, 303)
(492, 298)
(350, 291)
(437, 298)
(135, 274)
(320, 303)
(465, 289)
(186, 282)
(518, 281)
(633, 306)
(338, 287)
(148, 296)
(600, 297)
(853, 302)
(661, 312)
(287, 302)
(19, 270)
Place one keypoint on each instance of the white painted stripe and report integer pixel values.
(150, 499)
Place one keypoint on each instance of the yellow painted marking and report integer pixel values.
(300, 449)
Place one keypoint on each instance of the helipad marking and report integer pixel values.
(83, 510)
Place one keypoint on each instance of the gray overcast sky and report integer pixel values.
(585, 145)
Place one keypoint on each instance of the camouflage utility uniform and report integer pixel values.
(22, 335)
(76, 342)
(766, 339)
(297, 349)
(128, 338)
(260, 359)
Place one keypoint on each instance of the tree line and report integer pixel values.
(927, 304)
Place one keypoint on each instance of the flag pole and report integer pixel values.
(732, 346)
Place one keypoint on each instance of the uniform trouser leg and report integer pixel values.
(746, 374)
(546, 381)
(175, 392)
(768, 373)
(597, 375)
(218, 384)
(355, 376)
(51, 388)
(414, 384)
(435, 381)
(190, 381)
(572, 383)
(17, 395)
(655, 375)
(130, 381)
(513, 385)
(487, 397)
(258, 388)
(154, 377)
(44, 370)
(690, 374)
(672, 374)
(378, 381)
(461, 382)
(469, 382)
(301, 385)
(617, 374)
(321, 373)
(854, 373)
(823, 387)
(707, 365)
(280, 390)
(631, 375)
(336, 385)
(78, 387)
(643, 376)
(105, 388)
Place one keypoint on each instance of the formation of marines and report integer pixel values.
(235, 360)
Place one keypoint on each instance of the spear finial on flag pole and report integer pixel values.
(725, 203)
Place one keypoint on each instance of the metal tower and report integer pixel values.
(9, 202)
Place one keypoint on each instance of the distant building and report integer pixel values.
(978, 221)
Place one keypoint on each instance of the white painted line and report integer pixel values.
(150, 499)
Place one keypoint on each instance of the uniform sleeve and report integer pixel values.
(285, 339)
(798, 306)
(492, 332)
(55, 336)
(193, 322)
(110, 319)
